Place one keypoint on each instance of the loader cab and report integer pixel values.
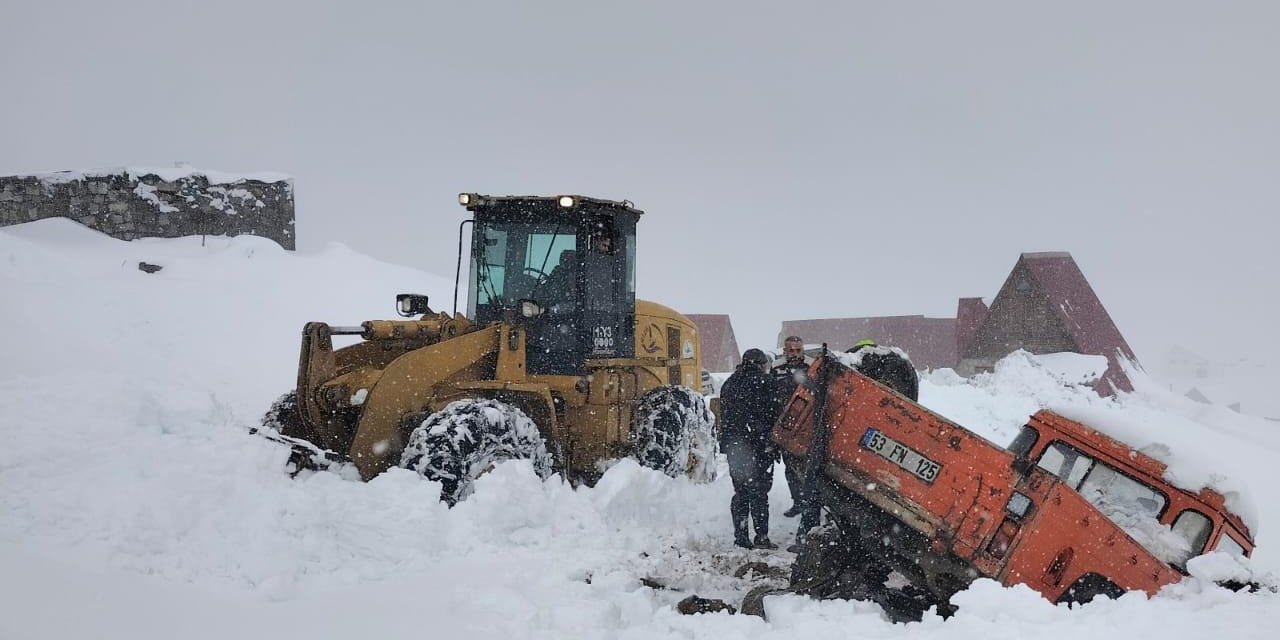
(564, 267)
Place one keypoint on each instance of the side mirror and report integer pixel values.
(411, 304)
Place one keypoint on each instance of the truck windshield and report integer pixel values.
(511, 261)
(1132, 505)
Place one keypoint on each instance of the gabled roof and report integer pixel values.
(719, 346)
(929, 342)
(1079, 309)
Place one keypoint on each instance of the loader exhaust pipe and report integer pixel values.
(457, 271)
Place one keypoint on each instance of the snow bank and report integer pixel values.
(133, 503)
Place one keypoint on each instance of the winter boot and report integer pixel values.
(763, 542)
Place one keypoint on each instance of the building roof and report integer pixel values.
(719, 346)
(930, 342)
(1080, 311)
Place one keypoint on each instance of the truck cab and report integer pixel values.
(1129, 487)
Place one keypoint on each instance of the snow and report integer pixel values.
(1074, 368)
(134, 503)
(148, 193)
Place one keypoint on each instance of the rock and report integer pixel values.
(147, 267)
(753, 603)
(695, 604)
(758, 570)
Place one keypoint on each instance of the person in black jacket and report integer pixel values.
(749, 406)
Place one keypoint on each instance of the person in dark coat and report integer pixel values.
(749, 407)
(787, 374)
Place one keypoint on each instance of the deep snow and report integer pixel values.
(134, 504)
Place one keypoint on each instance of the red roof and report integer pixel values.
(719, 346)
(930, 342)
(1080, 311)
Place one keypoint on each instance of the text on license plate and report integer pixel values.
(901, 455)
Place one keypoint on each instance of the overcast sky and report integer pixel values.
(793, 159)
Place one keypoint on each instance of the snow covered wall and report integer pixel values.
(138, 202)
(134, 503)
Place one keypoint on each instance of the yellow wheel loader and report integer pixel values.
(555, 361)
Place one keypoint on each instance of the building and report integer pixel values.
(1047, 306)
(930, 342)
(719, 346)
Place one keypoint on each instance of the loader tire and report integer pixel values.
(672, 431)
(463, 441)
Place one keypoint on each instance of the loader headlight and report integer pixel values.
(466, 199)
(568, 201)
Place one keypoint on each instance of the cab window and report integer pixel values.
(1194, 527)
(1066, 463)
(1110, 490)
(1228, 544)
(1021, 445)
(1132, 505)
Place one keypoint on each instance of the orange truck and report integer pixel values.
(919, 507)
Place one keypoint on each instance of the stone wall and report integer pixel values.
(161, 203)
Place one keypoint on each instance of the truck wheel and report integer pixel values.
(827, 566)
(466, 439)
(672, 432)
(1088, 587)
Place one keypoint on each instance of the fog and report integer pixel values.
(793, 159)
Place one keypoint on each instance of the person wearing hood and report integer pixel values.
(749, 406)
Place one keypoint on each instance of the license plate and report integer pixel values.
(901, 455)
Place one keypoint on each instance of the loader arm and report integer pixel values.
(409, 384)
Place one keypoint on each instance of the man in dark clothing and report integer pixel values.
(787, 374)
(749, 406)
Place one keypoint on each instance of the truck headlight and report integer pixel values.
(568, 201)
